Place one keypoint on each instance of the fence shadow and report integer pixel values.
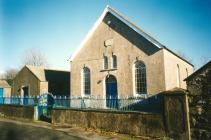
(150, 104)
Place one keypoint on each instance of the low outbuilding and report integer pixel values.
(33, 81)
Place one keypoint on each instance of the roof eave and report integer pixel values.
(178, 56)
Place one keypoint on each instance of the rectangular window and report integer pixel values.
(114, 61)
(105, 62)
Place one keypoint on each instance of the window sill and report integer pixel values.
(108, 70)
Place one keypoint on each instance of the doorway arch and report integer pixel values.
(111, 92)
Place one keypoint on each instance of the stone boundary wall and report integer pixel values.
(170, 121)
(17, 111)
(133, 123)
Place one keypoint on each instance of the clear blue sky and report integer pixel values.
(58, 26)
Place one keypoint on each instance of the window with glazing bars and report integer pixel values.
(87, 82)
(140, 78)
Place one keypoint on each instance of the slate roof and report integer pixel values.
(4, 84)
(40, 72)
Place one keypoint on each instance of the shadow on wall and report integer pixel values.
(152, 104)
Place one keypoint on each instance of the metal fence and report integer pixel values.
(123, 103)
(17, 100)
(126, 104)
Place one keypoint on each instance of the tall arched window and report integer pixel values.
(178, 76)
(105, 59)
(86, 81)
(114, 61)
(140, 78)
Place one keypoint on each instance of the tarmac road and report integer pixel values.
(21, 131)
(18, 129)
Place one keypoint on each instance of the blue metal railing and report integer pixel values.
(16, 100)
(152, 104)
(92, 102)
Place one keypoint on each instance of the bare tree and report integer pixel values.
(9, 75)
(1, 75)
(34, 57)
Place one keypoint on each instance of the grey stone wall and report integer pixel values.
(17, 111)
(199, 87)
(133, 123)
(171, 119)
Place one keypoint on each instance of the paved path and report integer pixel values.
(26, 130)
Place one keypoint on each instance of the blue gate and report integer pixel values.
(1, 95)
(45, 105)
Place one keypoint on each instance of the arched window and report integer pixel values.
(178, 76)
(140, 78)
(105, 59)
(114, 61)
(86, 81)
